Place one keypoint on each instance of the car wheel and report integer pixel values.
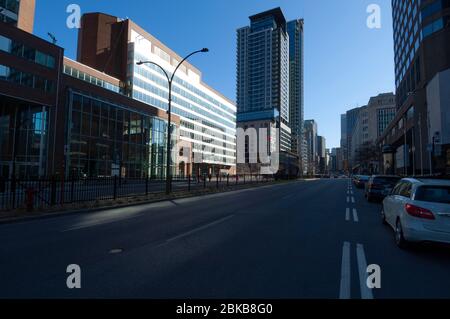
(383, 217)
(399, 238)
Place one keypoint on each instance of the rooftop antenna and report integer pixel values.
(54, 41)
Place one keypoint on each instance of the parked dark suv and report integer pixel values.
(380, 186)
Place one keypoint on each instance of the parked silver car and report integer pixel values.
(419, 211)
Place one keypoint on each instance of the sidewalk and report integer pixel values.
(94, 206)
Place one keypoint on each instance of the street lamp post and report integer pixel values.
(169, 112)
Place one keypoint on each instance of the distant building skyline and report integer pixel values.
(220, 38)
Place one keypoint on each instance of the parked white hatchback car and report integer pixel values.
(419, 211)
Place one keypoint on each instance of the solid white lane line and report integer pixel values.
(355, 215)
(196, 230)
(347, 214)
(345, 288)
(366, 292)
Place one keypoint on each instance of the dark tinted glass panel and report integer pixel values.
(386, 180)
(434, 194)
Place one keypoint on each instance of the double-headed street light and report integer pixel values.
(169, 113)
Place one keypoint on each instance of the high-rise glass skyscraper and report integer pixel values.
(263, 75)
(296, 87)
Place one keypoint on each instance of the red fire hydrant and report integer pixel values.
(30, 199)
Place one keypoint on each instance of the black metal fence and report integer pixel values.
(50, 192)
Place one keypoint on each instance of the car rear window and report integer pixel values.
(386, 180)
(434, 194)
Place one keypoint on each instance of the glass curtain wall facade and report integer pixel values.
(109, 140)
(208, 122)
(23, 138)
(413, 22)
(408, 37)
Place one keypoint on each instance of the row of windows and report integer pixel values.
(188, 115)
(206, 149)
(433, 27)
(207, 140)
(188, 86)
(163, 94)
(18, 49)
(161, 82)
(26, 79)
(198, 128)
(216, 159)
(90, 79)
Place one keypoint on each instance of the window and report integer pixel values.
(397, 189)
(12, 5)
(5, 44)
(410, 113)
(26, 79)
(433, 27)
(29, 53)
(41, 58)
(431, 9)
(433, 194)
(405, 190)
(18, 49)
(4, 72)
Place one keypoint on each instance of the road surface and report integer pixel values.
(302, 239)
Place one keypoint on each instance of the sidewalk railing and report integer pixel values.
(45, 193)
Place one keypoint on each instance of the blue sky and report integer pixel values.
(345, 61)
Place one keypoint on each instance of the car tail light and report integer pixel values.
(419, 212)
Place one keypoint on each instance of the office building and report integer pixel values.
(263, 76)
(418, 139)
(321, 154)
(343, 148)
(296, 87)
(311, 140)
(351, 119)
(60, 117)
(372, 121)
(67, 118)
(207, 118)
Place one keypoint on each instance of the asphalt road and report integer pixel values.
(298, 240)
